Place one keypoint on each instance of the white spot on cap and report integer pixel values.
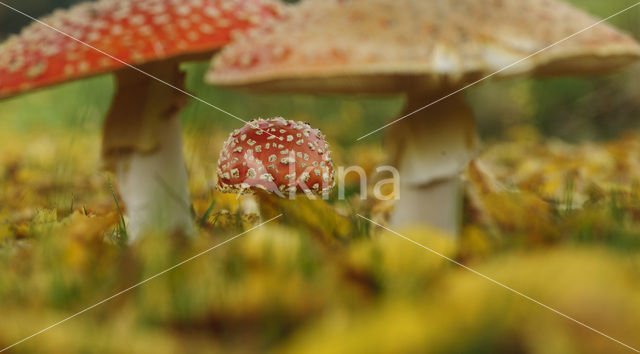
(305, 177)
(211, 12)
(36, 70)
(117, 30)
(278, 52)
(193, 36)
(136, 20)
(93, 36)
(162, 19)
(84, 66)
(183, 10)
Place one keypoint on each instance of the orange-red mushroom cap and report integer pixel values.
(386, 46)
(134, 32)
(276, 155)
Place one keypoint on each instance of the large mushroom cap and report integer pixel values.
(134, 32)
(375, 45)
(275, 155)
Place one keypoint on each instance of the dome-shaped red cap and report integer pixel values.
(276, 155)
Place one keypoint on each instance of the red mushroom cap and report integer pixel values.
(134, 32)
(382, 46)
(275, 155)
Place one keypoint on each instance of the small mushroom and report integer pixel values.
(426, 50)
(141, 138)
(275, 156)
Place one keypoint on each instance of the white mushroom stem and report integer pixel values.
(142, 144)
(154, 187)
(431, 148)
(249, 207)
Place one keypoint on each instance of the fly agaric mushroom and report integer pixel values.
(276, 156)
(426, 50)
(141, 137)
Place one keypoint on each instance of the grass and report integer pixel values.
(121, 229)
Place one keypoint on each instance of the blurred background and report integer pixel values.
(563, 227)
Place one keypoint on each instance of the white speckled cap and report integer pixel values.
(371, 46)
(133, 31)
(276, 155)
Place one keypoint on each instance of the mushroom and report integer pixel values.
(275, 156)
(141, 136)
(429, 51)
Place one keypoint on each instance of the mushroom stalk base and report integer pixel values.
(430, 149)
(142, 144)
(249, 209)
(437, 205)
(154, 187)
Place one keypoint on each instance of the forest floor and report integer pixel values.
(559, 223)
